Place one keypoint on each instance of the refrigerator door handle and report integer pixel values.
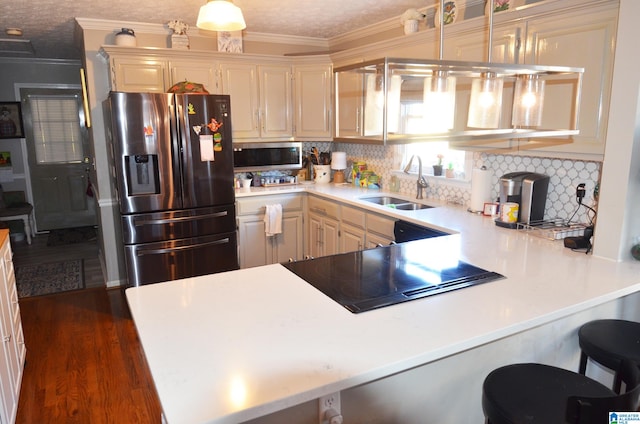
(142, 252)
(143, 222)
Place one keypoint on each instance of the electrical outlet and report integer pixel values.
(326, 403)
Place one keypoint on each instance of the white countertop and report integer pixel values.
(234, 346)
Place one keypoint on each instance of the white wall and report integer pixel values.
(618, 217)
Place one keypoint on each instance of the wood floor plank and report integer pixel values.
(84, 361)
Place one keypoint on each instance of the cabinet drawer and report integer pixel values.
(353, 216)
(381, 225)
(323, 207)
(256, 205)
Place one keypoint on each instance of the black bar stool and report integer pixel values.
(542, 394)
(608, 342)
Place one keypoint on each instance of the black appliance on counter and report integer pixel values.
(406, 231)
(172, 161)
(383, 276)
(529, 191)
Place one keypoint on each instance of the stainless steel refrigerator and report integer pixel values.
(172, 162)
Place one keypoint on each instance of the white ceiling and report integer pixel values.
(49, 24)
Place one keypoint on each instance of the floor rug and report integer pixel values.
(71, 236)
(49, 278)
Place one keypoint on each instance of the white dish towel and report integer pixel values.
(273, 220)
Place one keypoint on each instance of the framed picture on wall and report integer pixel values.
(11, 120)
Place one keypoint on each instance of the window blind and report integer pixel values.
(56, 129)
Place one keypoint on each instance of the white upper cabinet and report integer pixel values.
(138, 74)
(349, 104)
(203, 72)
(261, 102)
(276, 101)
(240, 81)
(506, 46)
(312, 98)
(583, 39)
(266, 99)
(576, 38)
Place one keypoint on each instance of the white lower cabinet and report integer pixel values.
(379, 230)
(352, 229)
(331, 228)
(352, 238)
(255, 247)
(13, 351)
(324, 227)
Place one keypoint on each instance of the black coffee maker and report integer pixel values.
(529, 191)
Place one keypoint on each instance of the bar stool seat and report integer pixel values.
(608, 342)
(541, 394)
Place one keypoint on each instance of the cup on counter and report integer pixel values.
(509, 212)
(246, 183)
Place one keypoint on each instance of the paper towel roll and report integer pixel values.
(480, 189)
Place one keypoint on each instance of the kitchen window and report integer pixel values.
(429, 151)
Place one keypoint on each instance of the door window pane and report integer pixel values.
(56, 129)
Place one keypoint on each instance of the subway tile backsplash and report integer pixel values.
(565, 175)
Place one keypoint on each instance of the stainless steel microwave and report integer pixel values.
(265, 156)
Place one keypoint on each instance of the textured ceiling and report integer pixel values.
(49, 24)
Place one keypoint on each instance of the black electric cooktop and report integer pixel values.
(375, 278)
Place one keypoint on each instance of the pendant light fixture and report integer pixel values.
(485, 105)
(439, 98)
(528, 101)
(429, 100)
(220, 15)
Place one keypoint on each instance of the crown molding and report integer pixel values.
(286, 39)
(148, 28)
(40, 61)
(390, 24)
(114, 26)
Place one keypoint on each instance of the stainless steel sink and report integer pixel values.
(396, 203)
(412, 206)
(384, 200)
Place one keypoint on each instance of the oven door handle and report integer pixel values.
(142, 252)
(143, 222)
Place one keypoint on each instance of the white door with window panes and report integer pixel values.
(59, 158)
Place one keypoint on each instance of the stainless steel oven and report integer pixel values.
(265, 156)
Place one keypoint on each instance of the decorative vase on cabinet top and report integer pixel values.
(126, 37)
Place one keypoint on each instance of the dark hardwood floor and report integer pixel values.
(84, 361)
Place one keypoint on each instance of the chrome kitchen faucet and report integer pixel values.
(421, 183)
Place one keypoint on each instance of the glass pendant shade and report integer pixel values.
(485, 106)
(439, 102)
(220, 15)
(528, 101)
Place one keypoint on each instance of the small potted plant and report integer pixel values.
(437, 169)
(449, 172)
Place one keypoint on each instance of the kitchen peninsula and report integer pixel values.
(260, 344)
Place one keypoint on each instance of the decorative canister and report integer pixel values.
(411, 26)
(322, 173)
(126, 37)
